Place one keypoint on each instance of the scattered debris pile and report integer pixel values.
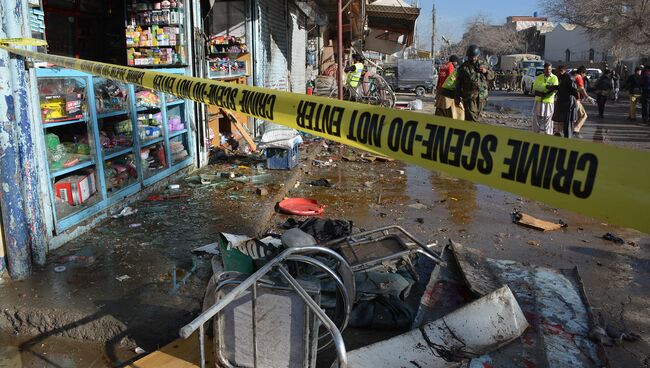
(475, 310)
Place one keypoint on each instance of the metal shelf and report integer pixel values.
(143, 109)
(60, 123)
(112, 154)
(177, 133)
(151, 142)
(67, 170)
(174, 103)
(112, 113)
(151, 47)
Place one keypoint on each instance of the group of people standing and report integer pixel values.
(462, 92)
(560, 95)
(559, 98)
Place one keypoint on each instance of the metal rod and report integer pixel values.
(202, 346)
(339, 44)
(188, 329)
(253, 305)
(339, 344)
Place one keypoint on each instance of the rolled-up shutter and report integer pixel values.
(274, 41)
(298, 50)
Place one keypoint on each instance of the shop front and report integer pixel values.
(104, 140)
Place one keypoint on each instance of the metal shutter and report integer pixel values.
(298, 50)
(274, 42)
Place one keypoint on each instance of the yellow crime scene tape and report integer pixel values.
(596, 180)
(22, 42)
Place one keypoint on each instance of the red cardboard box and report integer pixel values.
(76, 189)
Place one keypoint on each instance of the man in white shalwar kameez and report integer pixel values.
(545, 87)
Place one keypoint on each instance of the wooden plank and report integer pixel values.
(523, 219)
(180, 353)
(241, 129)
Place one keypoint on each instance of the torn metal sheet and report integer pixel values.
(477, 328)
(553, 301)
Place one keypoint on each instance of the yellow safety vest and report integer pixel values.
(355, 76)
(540, 84)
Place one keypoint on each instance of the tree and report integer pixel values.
(494, 40)
(625, 24)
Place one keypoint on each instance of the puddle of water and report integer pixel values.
(458, 196)
(417, 187)
(55, 352)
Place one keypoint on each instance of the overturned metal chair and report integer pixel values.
(247, 344)
(382, 247)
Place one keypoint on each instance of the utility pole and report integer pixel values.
(414, 48)
(433, 32)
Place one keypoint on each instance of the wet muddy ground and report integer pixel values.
(133, 281)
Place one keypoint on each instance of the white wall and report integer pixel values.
(575, 40)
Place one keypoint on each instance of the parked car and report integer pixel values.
(418, 76)
(529, 78)
(592, 76)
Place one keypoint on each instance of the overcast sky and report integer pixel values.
(453, 14)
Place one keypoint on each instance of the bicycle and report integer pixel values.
(373, 90)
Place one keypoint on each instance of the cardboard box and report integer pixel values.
(76, 189)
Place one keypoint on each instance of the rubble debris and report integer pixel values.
(559, 312)
(153, 198)
(87, 260)
(614, 238)
(254, 248)
(297, 238)
(475, 329)
(385, 312)
(322, 182)
(322, 229)
(300, 207)
(418, 206)
(371, 158)
(526, 220)
(139, 350)
(212, 248)
(262, 192)
(126, 211)
(320, 163)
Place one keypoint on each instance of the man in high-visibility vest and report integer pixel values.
(445, 105)
(354, 72)
(545, 87)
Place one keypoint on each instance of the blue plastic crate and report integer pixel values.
(282, 158)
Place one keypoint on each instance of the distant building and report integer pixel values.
(524, 22)
(572, 45)
(533, 28)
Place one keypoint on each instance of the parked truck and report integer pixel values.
(519, 61)
(418, 76)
